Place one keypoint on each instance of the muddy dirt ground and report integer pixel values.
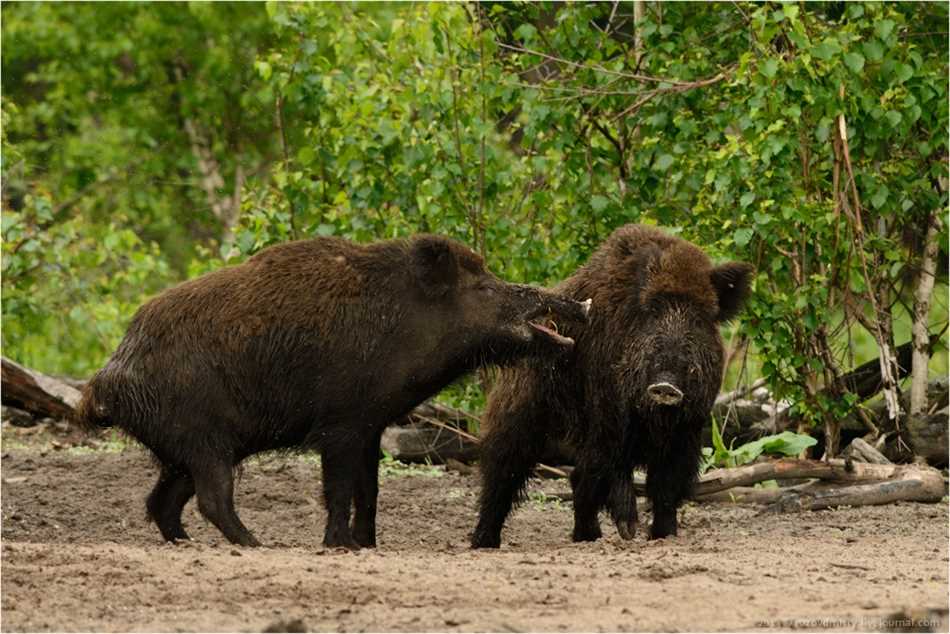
(78, 555)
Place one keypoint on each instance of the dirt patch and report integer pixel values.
(79, 555)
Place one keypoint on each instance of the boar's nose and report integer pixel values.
(665, 393)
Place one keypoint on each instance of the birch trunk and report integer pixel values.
(919, 329)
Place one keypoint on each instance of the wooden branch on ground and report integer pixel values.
(793, 469)
(829, 484)
(862, 451)
(36, 392)
(910, 485)
(427, 444)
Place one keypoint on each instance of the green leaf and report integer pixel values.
(598, 203)
(305, 156)
(787, 443)
(526, 32)
(903, 72)
(742, 236)
(746, 199)
(769, 67)
(880, 196)
(663, 162)
(827, 49)
(883, 28)
(893, 118)
(263, 69)
(854, 61)
(873, 50)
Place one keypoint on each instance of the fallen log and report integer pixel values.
(753, 495)
(910, 485)
(862, 451)
(794, 469)
(35, 392)
(427, 444)
(828, 484)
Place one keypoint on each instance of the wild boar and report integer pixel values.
(636, 390)
(314, 344)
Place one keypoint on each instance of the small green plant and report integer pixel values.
(117, 442)
(542, 501)
(389, 467)
(784, 444)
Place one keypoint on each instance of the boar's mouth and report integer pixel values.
(542, 322)
(549, 330)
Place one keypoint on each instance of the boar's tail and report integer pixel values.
(91, 413)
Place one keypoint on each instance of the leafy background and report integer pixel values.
(143, 144)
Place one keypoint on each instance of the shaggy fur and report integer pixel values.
(316, 344)
(658, 303)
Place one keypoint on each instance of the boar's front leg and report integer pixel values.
(622, 503)
(671, 475)
(367, 491)
(338, 491)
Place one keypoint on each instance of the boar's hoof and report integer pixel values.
(340, 540)
(665, 393)
(627, 529)
(486, 539)
(365, 541)
(661, 530)
(586, 533)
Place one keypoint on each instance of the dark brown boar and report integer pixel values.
(315, 344)
(636, 390)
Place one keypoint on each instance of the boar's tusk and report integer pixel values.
(586, 304)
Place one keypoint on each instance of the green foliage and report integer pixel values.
(528, 130)
(784, 444)
(67, 288)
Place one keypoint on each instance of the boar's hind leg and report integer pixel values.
(214, 485)
(338, 490)
(507, 455)
(591, 487)
(167, 500)
(367, 490)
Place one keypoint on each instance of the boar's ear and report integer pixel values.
(435, 265)
(731, 281)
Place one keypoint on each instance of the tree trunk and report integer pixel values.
(920, 327)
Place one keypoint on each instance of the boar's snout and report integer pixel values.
(665, 393)
(568, 308)
(542, 309)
